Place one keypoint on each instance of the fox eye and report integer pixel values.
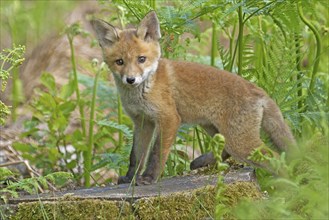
(141, 59)
(119, 62)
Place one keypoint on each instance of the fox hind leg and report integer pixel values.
(242, 136)
(208, 158)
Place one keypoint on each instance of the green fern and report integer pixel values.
(5, 173)
(302, 194)
(32, 185)
(225, 57)
(126, 130)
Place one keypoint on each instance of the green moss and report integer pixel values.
(196, 204)
(208, 170)
(75, 209)
(237, 191)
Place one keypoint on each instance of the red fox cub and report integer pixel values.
(159, 95)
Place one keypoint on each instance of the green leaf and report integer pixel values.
(22, 147)
(48, 81)
(43, 181)
(67, 90)
(54, 155)
(58, 122)
(48, 101)
(59, 178)
(126, 130)
(67, 107)
(80, 146)
(71, 164)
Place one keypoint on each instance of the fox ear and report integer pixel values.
(106, 33)
(149, 28)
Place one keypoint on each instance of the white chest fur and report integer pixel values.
(134, 99)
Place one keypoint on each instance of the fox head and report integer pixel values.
(131, 54)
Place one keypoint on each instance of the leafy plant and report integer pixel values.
(16, 15)
(30, 185)
(11, 57)
(301, 195)
(73, 151)
(52, 111)
(62, 150)
(268, 43)
(217, 146)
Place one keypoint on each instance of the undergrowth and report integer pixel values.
(30, 185)
(303, 194)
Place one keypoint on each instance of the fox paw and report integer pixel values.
(202, 161)
(124, 179)
(145, 180)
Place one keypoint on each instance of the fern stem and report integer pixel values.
(15, 94)
(280, 26)
(75, 76)
(300, 103)
(240, 41)
(239, 44)
(299, 71)
(231, 49)
(231, 46)
(213, 43)
(88, 154)
(234, 56)
(318, 46)
(120, 115)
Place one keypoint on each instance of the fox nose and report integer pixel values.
(130, 80)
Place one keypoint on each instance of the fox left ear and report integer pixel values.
(149, 27)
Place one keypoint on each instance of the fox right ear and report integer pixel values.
(106, 33)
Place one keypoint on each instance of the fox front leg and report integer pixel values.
(166, 134)
(143, 133)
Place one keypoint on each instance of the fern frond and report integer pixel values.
(225, 57)
(125, 129)
(286, 14)
(43, 182)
